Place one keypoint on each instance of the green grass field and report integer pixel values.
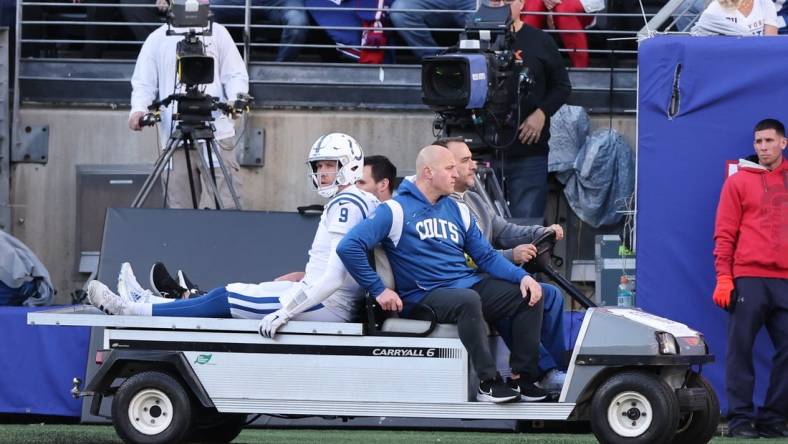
(90, 434)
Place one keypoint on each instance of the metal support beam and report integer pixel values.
(5, 150)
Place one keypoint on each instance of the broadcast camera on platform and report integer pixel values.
(192, 20)
(472, 86)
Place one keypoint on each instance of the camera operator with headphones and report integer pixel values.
(156, 77)
(525, 160)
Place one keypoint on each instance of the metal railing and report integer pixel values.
(676, 16)
(65, 49)
(93, 30)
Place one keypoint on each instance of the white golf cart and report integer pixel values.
(634, 376)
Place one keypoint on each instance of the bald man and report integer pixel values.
(426, 236)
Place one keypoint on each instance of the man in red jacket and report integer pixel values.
(751, 259)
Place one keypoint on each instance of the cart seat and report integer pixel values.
(394, 326)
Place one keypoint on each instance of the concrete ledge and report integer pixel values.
(299, 85)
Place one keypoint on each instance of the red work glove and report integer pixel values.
(723, 291)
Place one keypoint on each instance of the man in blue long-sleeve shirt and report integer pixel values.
(426, 236)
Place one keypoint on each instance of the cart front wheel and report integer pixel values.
(634, 408)
(151, 407)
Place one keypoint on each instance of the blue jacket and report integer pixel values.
(425, 244)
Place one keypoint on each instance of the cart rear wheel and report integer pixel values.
(151, 408)
(699, 426)
(634, 408)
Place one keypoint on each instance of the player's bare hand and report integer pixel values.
(134, 120)
(389, 300)
(523, 253)
(531, 290)
(559, 231)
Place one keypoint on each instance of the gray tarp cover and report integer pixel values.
(568, 132)
(598, 171)
(19, 265)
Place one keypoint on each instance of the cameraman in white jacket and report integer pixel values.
(155, 78)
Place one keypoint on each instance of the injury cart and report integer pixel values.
(634, 376)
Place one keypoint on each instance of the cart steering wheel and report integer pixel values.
(544, 248)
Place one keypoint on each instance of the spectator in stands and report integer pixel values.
(687, 13)
(525, 164)
(420, 38)
(577, 42)
(154, 78)
(137, 17)
(358, 33)
(426, 236)
(738, 17)
(750, 245)
(782, 15)
(514, 242)
(293, 17)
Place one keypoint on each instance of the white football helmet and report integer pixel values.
(346, 152)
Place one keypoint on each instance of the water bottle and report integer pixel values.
(624, 292)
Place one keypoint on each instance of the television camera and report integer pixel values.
(194, 69)
(471, 86)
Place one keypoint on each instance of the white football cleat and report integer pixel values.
(101, 297)
(128, 287)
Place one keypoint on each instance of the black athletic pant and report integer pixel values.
(760, 301)
(491, 300)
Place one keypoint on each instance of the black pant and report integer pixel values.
(491, 300)
(760, 301)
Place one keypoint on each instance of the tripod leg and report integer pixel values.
(211, 183)
(209, 153)
(227, 178)
(188, 144)
(158, 167)
(497, 193)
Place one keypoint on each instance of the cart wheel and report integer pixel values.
(634, 408)
(699, 426)
(218, 428)
(151, 408)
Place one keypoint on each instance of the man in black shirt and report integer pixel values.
(525, 159)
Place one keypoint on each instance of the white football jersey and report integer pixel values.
(341, 213)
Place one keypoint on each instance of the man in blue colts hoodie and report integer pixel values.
(426, 235)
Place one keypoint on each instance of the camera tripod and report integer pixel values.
(488, 186)
(187, 137)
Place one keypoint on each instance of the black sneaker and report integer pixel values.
(746, 431)
(529, 392)
(162, 283)
(776, 430)
(186, 283)
(495, 390)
